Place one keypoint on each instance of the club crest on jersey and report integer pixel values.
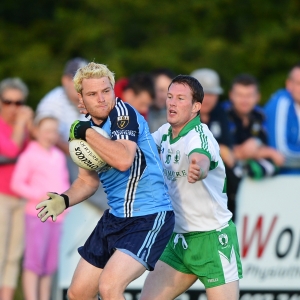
(223, 239)
(177, 157)
(168, 159)
(122, 121)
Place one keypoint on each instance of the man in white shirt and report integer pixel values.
(204, 244)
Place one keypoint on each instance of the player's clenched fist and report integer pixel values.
(194, 173)
(52, 207)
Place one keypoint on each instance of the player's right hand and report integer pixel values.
(78, 129)
(52, 207)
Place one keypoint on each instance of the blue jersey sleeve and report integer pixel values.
(124, 123)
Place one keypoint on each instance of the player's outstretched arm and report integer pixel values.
(82, 188)
(198, 168)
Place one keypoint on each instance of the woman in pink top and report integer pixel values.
(15, 121)
(40, 168)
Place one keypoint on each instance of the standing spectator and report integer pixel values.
(61, 103)
(248, 130)
(213, 115)
(283, 121)
(15, 122)
(138, 91)
(41, 167)
(158, 114)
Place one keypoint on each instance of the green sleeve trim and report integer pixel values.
(201, 151)
(225, 186)
(213, 165)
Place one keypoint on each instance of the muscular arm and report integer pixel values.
(118, 154)
(198, 168)
(83, 187)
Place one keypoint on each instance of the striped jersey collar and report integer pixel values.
(187, 128)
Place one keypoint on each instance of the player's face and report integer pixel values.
(293, 84)
(180, 106)
(244, 98)
(98, 98)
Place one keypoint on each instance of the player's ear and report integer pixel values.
(80, 100)
(196, 107)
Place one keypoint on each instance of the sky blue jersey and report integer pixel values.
(141, 190)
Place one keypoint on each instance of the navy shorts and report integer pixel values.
(143, 237)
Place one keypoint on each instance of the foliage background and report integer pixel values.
(230, 36)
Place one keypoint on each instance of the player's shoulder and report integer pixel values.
(122, 110)
(164, 128)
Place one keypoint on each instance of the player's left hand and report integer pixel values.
(194, 172)
(78, 130)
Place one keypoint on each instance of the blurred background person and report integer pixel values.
(247, 125)
(61, 103)
(138, 91)
(157, 113)
(40, 168)
(283, 121)
(214, 116)
(15, 124)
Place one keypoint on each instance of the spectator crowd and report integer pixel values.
(255, 140)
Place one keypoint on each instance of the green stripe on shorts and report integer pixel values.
(212, 256)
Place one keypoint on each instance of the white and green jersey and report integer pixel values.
(200, 206)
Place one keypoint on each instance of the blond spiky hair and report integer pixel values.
(92, 70)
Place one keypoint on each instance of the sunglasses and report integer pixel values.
(10, 102)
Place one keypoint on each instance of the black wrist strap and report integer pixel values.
(66, 198)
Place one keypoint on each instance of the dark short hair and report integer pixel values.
(140, 82)
(163, 71)
(245, 79)
(193, 84)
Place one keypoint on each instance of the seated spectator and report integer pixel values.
(138, 91)
(283, 121)
(214, 116)
(157, 113)
(15, 124)
(248, 130)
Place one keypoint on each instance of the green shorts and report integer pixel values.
(213, 256)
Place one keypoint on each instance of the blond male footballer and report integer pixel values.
(204, 244)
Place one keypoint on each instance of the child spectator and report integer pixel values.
(40, 168)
